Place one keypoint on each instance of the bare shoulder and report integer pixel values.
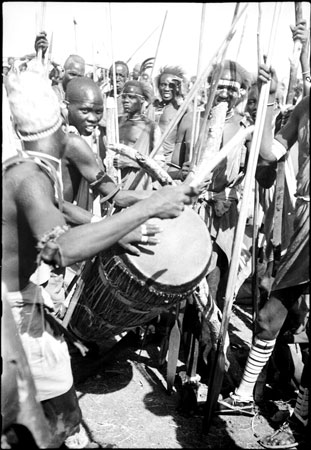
(77, 149)
(28, 181)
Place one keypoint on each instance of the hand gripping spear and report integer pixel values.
(217, 372)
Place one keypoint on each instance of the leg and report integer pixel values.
(270, 320)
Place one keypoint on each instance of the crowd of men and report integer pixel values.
(64, 173)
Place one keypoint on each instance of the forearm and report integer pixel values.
(74, 215)
(126, 198)
(268, 131)
(85, 241)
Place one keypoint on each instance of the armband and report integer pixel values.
(277, 149)
(96, 219)
(99, 179)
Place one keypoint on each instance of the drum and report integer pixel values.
(124, 291)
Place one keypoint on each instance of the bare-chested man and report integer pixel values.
(292, 278)
(137, 131)
(36, 238)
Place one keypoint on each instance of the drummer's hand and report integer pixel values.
(266, 74)
(143, 235)
(41, 42)
(170, 201)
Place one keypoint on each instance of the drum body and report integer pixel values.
(123, 291)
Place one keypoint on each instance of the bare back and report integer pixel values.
(29, 211)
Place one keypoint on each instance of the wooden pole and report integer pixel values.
(259, 51)
(42, 27)
(195, 119)
(158, 46)
(294, 62)
(75, 34)
(218, 368)
(241, 39)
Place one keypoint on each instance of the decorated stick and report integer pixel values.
(141, 45)
(204, 170)
(195, 105)
(158, 46)
(294, 61)
(218, 368)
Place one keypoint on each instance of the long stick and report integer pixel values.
(195, 105)
(197, 84)
(116, 121)
(259, 51)
(75, 33)
(294, 63)
(218, 366)
(158, 46)
(142, 44)
(241, 39)
(42, 25)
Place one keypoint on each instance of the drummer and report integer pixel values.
(37, 238)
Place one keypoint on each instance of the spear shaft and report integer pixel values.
(218, 368)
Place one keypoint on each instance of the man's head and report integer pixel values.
(74, 67)
(234, 80)
(134, 94)
(122, 74)
(84, 104)
(252, 101)
(136, 71)
(169, 82)
(5, 69)
(34, 105)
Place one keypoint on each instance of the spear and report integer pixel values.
(241, 39)
(294, 62)
(75, 33)
(142, 44)
(195, 119)
(114, 90)
(217, 372)
(42, 25)
(255, 294)
(197, 84)
(158, 46)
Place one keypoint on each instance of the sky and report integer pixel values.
(131, 32)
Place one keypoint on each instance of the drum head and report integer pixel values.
(182, 256)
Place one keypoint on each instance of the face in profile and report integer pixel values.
(252, 101)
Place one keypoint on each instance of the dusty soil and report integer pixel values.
(125, 404)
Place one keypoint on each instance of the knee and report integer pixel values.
(268, 326)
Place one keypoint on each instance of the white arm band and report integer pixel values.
(277, 149)
(96, 219)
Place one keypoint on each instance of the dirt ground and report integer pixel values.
(123, 396)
